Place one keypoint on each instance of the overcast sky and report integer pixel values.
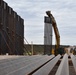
(33, 12)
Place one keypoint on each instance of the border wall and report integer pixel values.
(11, 31)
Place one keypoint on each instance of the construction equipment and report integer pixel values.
(55, 30)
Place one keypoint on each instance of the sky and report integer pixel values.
(33, 12)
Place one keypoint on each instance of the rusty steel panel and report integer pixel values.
(13, 30)
(7, 25)
(0, 44)
(0, 2)
(20, 26)
(15, 35)
(4, 16)
(9, 31)
(0, 23)
(22, 34)
(19, 47)
(11, 26)
(3, 43)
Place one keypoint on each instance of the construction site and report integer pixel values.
(19, 58)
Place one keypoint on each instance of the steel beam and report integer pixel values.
(64, 67)
(45, 70)
(74, 61)
(23, 65)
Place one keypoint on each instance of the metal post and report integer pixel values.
(32, 47)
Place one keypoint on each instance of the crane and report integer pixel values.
(57, 35)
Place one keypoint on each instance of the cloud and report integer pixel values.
(33, 12)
